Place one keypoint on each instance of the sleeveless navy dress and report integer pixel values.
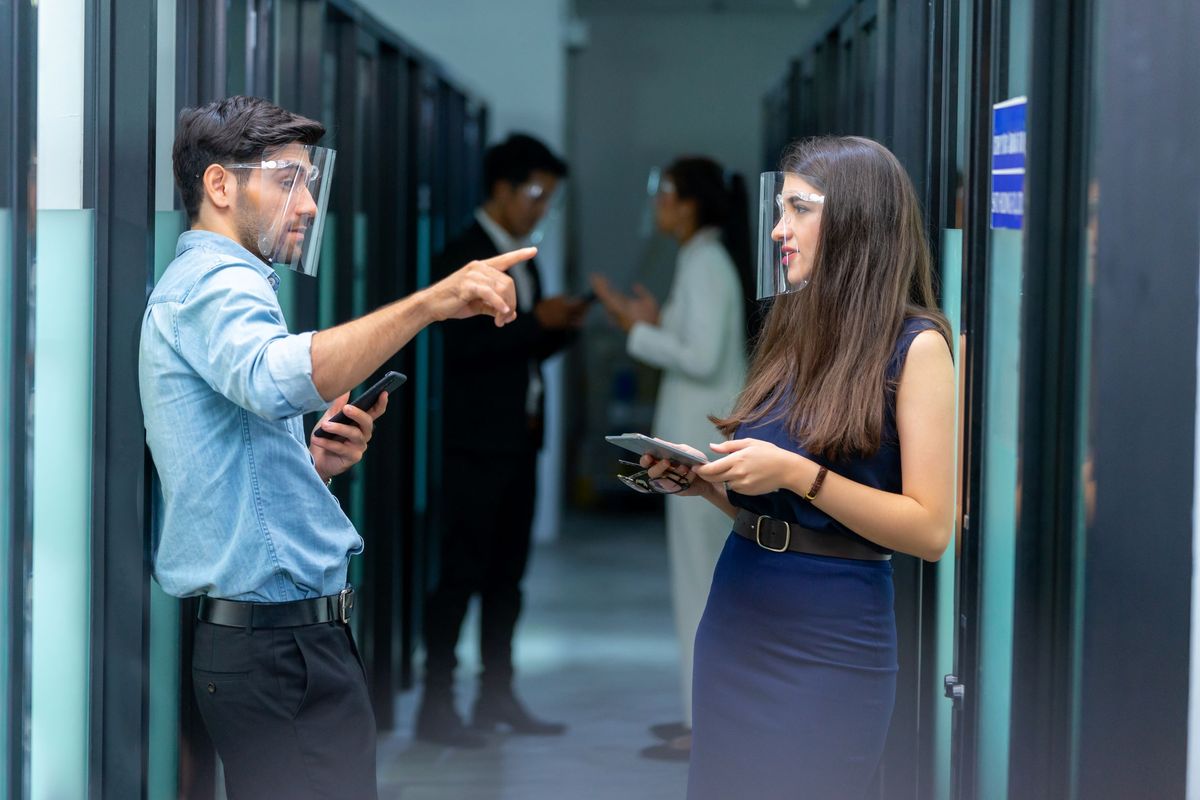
(795, 666)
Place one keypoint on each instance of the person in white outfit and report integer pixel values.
(698, 340)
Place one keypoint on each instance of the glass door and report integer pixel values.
(18, 82)
(990, 327)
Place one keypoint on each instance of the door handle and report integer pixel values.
(955, 690)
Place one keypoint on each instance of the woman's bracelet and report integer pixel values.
(816, 486)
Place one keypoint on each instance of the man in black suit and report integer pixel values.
(494, 412)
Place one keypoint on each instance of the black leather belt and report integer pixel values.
(313, 611)
(779, 536)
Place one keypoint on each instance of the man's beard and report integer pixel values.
(249, 230)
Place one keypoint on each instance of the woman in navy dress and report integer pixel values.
(840, 452)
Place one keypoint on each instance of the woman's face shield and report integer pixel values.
(790, 207)
(288, 197)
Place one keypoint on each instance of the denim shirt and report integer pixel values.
(241, 512)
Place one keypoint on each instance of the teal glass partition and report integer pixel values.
(1001, 492)
(163, 767)
(6, 377)
(952, 262)
(998, 556)
(62, 496)
(162, 777)
(168, 225)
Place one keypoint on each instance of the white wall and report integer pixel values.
(60, 110)
(511, 55)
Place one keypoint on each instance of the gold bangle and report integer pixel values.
(816, 486)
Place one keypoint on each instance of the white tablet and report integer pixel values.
(644, 445)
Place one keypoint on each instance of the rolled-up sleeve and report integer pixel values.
(231, 330)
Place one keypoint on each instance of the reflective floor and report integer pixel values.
(596, 649)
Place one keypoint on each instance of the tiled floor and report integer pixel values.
(596, 649)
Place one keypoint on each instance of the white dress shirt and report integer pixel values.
(523, 283)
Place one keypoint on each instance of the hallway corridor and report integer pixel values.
(596, 649)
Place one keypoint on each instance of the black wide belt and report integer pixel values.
(779, 536)
(313, 611)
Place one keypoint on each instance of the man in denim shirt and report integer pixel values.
(245, 518)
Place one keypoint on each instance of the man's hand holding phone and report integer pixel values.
(345, 443)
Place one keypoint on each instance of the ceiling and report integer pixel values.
(586, 8)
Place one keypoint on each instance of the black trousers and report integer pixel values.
(287, 709)
(487, 511)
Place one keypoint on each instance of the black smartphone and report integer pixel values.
(588, 297)
(388, 383)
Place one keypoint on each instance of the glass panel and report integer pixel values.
(1086, 493)
(952, 260)
(163, 767)
(62, 492)
(958, 17)
(327, 275)
(421, 410)
(357, 477)
(999, 524)
(1001, 494)
(235, 47)
(358, 284)
(168, 225)
(162, 777)
(6, 377)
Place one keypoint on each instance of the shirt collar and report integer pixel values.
(220, 243)
(702, 237)
(503, 240)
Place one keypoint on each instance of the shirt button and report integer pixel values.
(212, 688)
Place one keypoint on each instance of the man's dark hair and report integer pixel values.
(516, 158)
(229, 131)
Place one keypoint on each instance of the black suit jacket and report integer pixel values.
(485, 369)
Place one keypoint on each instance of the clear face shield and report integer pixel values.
(538, 204)
(292, 191)
(655, 182)
(789, 223)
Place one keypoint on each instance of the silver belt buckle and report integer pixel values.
(345, 603)
(787, 540)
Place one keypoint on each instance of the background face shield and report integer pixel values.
(293, 199)
(788, 220)
(551, 202)
(654, 183)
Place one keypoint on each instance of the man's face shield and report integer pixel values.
(530, 203)
(288, 198)
(789, 226)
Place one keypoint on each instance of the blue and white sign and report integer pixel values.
(1008, 163)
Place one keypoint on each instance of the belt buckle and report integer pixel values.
(345, 603)
(787, 540)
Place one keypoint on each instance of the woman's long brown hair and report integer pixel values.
(820, 361)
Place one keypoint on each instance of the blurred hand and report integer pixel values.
(642, 306)
(335, 456)
(481, 287)
(626, 311)
(560, 313)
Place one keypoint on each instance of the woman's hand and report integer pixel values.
(626, 311)
(697, 487)
(642, 306)
(335, 456)
(753, 467)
